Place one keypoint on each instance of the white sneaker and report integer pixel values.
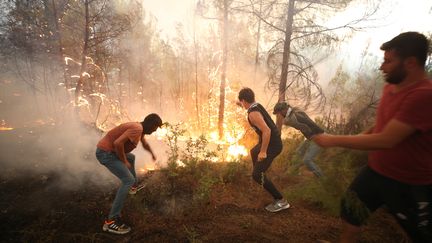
(278, 205)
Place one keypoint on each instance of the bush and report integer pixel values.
(339, 167)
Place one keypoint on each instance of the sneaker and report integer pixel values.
(278, 205)
(134, 189)
(116, 226)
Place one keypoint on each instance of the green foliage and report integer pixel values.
(317, 193)
(197, 150)
(353, 98)
(174, 133)
(205, 184)
(190, 166)
(191, 234)
(172, 168)
(339, 167)
(173, 153)
(232, 171)
(287, 159)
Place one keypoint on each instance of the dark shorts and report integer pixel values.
(411, 205)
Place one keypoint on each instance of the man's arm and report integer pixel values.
(393, 133)
(119, 149)
(147, 147)
(302, 122)
(257, 119)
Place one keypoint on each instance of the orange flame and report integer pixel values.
(4, 127)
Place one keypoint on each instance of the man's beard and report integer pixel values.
(396, 76)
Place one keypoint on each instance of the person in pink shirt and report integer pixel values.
(399, 169)
(114, 152)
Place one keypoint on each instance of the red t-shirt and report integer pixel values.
(410, 161)
(133, 130)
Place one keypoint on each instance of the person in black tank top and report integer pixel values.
(268, 147)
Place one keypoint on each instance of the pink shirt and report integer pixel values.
(410, 161)
(133, 131)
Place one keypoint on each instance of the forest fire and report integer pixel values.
(232, 150)
(235, 151)
(4, 127)
(147, 169)
(221, 148)
(202, 132)
(74, 70)
(227, 148)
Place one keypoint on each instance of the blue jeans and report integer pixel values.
(309, 150)
(126, 176)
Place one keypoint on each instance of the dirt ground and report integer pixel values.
(34, 208)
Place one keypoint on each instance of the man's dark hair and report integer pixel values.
(409, 44)
(247, 95)
(280, 106)
(151, 123)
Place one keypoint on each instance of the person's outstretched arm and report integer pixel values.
(392, 134)
(147, 147)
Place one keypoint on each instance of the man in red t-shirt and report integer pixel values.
(114, 152)
(399, 170)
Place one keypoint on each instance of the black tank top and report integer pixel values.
(274, 134)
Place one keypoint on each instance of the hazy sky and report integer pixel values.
(168, 12)
(396, 16)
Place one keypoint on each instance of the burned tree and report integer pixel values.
(301, 26)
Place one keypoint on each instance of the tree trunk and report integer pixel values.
(196, 79)
(58, 36)
(257, 42)
(223, 75)
(286, 58)
(79, 84)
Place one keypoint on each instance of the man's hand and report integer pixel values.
(262, 156)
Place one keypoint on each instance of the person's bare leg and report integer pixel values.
(350, 233)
